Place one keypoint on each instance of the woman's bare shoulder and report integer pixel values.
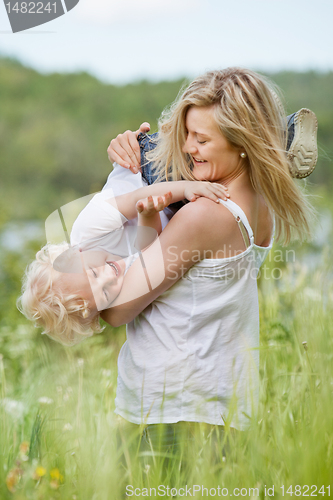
(204, 212)
(209, 224)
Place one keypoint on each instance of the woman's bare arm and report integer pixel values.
(184, 241)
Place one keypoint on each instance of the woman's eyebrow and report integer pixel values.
(196, 132)
(202, 134)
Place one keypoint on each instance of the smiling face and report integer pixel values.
(100, 280)
(214, 158)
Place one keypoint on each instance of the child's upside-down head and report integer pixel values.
(64, 290)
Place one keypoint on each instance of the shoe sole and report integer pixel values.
(303, 152)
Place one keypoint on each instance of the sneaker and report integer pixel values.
(302, 151)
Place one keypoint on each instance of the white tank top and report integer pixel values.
(192, 355)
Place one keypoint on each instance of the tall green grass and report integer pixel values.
(61, 401)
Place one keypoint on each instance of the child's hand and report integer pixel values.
(150, 206)
(211, 190)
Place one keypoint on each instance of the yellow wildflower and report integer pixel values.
(39, 473)
(55, 474)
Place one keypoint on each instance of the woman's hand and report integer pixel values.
(148, 207)
(125, 150)
(211, 190)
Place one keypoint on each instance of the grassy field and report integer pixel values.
(60, 438)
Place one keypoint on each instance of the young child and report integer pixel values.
(68, 285)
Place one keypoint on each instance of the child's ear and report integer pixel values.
(85, 310)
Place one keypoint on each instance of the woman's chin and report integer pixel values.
(202, 176)
(199, 174)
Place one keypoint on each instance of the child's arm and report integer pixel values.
(191, 190)
(149, 208)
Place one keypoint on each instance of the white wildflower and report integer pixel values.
(68, 394)
(312, 294)
(147, 469)
(44, 400)
(13, 408)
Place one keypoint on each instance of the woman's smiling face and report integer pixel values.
(214, 158)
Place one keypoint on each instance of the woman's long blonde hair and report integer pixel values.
(250, 115)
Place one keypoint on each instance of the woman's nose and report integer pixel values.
(189, 147)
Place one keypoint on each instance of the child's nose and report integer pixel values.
(110, 277)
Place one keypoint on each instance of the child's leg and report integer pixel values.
(148, 143)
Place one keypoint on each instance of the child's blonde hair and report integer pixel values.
(250, 115)
(65, 317)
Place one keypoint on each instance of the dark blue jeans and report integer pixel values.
(169, 446)
(182, 435)
(148, 143)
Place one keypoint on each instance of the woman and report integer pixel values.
(192, 349)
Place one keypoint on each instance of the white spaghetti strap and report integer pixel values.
(241, 218)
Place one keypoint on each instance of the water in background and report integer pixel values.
(15, 235)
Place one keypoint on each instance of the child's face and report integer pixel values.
(100, 280)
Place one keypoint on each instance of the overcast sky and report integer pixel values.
(127, 40)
